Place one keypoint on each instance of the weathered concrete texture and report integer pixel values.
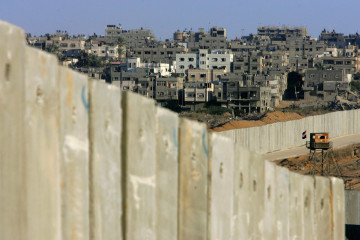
(221, 161)
(42, 146)
(309, 207)
(256, 195)
(193, 180)
(13, 204)
(105, 161)
(139, 160)
(270, 227)
(283, 135)
(242, 212)
(323, 212)
(73, 89)
(296, 206)
(352, 207)
(167, 168)
(282, 202)
(338, 208)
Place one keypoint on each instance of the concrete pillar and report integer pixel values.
(167, 168)
(221, 160)
(139, 167)
(242, 213)
(282, 202)
(74, 154)
(256, 195)
(105, 161)
(323, 213)
(352, 207)
(338, 208)
(193, 180)
(296, 206)
(309, 207)
(42, 146)
(13, 204)
(270, 226)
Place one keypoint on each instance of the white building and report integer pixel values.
(105, 51)
(216, 59)
(164, 69)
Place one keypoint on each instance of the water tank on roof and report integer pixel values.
(178, 35)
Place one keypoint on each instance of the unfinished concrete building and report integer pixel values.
(134, 38)
(157, 54)
(325, 85)
(276, 32)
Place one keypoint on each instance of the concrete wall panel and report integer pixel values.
(74, 154)
(296, 206)
(138, 167)
(282, 203)
(193, 180)
(167, 148)
(309, 207)
(270, 225)
(221, 187)
(323, 211)
(352, 207)
(338, 208)
(256, 195)
(242, 202)
(42, 146)
(105, 161)
(12, 147)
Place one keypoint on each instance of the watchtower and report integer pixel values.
(321, 155)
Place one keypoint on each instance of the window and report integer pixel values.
(182, 59)
(223, 59)
(214, 59)
(182, 67)
(191, 59)
(125, 88)
(202, 62)
(203, 75)
(192, 75)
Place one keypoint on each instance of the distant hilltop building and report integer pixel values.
(274, 32)
(134, 38)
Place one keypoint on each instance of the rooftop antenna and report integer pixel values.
(242, 32)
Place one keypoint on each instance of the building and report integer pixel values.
(204, 59)
(282, 32)
(133, 38)
(325, 85)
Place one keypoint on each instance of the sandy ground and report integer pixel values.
(272, 117)
(344, 162)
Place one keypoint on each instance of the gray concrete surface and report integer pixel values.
(139, 167)
(105, 161)
(167, 173)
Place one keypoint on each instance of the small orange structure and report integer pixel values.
(319, 141)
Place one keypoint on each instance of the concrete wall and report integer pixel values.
(81, 160)
(283, 135)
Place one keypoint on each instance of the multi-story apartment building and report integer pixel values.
(158, 54)
(350, 65)
(276, 32)
(134, 38)
(216, 59)
(326, 84)
(214, 39)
